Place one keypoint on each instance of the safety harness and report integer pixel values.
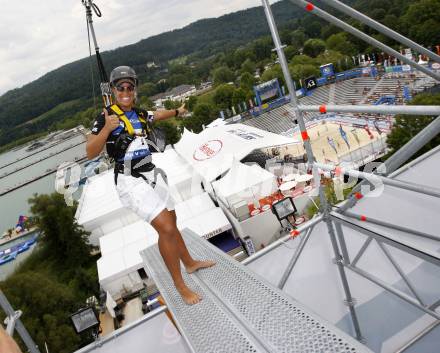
(122, 147)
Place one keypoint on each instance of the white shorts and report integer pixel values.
(145, 200)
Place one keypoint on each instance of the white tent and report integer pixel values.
(208, 224)
(117, 270)
(193, 207)
(179, 174)
(101, 211)
(212, 151)
(245, 182)
(124, 236)
(216, 122)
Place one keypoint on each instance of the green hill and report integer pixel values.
(73, 81)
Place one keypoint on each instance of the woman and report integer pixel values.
(134, 170)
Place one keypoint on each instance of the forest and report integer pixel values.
(205, 50)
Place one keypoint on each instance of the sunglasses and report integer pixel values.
(129, 88)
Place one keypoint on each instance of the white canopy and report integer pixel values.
(208, 224)
(120, 248)
(193, 207)
(121, 262)
(216, 122)
(244, 181)
(122, 237)
(212, 151)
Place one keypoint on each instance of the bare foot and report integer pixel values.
(188, 296)
(197, 265)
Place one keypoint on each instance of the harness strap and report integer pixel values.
(121, 115)
(119, 169)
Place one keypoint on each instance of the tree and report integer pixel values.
(203, 114)
(242, 55)
(248, 66)
(406, 127)
(191, 103)
(300, 72)
(340, 61)
(47, 305)
(223, 74)
(169, 104)
(274, 72)
(339, 42)
(247, 81)
(146, 103)
(298, 38)
(238, 97)
(314, 47)
(171, 131)
(290, 51)
(148, 89)
(263, 48)
(65, 241)
(286, 36)
(421, 21)
(303, 60)
(223, 96)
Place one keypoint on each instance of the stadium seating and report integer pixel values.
(361, 90)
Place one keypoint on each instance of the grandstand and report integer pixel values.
(362, 146)
(361, 90)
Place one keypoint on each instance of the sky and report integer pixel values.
(38, 36)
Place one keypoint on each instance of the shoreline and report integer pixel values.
(5, 240)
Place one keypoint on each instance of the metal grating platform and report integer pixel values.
(241, 312)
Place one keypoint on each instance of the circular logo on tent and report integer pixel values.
(436, 66)
(207, 150)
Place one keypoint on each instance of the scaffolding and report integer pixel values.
(335, 218)
(245, 331)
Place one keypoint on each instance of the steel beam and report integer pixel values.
(340, 264)
(392, 226)
(380, 179)
(291, 88)
(342, 244)
(392, 290)
(431, 257)
(296, 255)
(413, 146)
(365, 37)
(414, 162)
(113, 335)
(19, 327)
(281, 241)
(381, 28)
(399, 158)
(361, 251)
(419, 336)
(401, 273)
(374, 109)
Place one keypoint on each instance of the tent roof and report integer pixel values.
(240, 177)
(122, 237)
(212, 151)
(217, 122)
(121, 261)
(207, 224)
(99, 197)
(193, 207)
(176, 168)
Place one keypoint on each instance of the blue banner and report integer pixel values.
(344, 135)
